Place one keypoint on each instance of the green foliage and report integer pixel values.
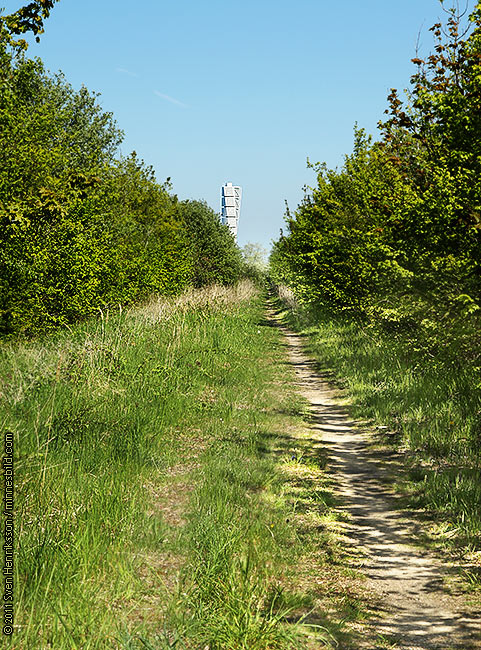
(394, 236)
(255, 255)
(391, 242)
(50, 132)
(341, 241)
(29, 18)
(255, 258)
(82, 230)
(216, 257)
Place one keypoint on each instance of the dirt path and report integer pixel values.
(416, 613)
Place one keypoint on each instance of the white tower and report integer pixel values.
(230, 204)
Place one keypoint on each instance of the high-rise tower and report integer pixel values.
(230, 204)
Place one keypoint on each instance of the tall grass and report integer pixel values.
(152, 508)
(429, 409)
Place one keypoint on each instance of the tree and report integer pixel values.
(440, 125)
(216, 257)
(28, 19)
(49, 133)
(255, 255)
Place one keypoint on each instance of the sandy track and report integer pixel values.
(416, 613)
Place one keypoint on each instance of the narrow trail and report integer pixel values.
(416, 613)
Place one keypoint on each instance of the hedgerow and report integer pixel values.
(82, 229)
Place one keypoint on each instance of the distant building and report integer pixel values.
(230, 205)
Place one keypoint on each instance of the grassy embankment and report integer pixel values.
(166, 494)
(428, 411)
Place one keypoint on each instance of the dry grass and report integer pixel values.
(31, 362)
(287, 296)
(215, 297)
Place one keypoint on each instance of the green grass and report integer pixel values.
(157, 501)
(428, 409)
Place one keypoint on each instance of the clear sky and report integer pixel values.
(246, 91)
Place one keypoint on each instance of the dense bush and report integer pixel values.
(81, 229)
(215, 254)
(394, 236)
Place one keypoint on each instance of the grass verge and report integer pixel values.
(166, 492)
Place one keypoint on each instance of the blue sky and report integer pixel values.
(239, 91)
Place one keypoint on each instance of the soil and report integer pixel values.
(416, 611)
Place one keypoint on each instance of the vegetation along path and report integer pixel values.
(415, 612)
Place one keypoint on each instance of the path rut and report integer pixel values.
(416, 613)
